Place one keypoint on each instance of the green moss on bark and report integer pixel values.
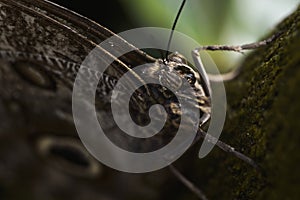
(263, 122)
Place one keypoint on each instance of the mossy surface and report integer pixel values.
(263, 122)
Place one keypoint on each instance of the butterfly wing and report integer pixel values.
(41, 48)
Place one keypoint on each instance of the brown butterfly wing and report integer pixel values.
(41, 157)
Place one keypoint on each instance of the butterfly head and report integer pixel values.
(175, 71)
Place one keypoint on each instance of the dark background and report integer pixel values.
(110, 13)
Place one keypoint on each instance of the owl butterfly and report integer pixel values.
(41, 48)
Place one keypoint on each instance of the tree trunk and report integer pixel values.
(262, 122)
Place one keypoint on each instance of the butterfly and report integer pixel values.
(41, 48)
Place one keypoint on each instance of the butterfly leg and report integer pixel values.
(225, 147)
(206, 77)
(235, 48)
(202, 134)
(187, 183)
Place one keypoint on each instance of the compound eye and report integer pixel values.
(178, 58)
(190, 78)
(187, 73)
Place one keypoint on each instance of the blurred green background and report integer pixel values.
(207, 21)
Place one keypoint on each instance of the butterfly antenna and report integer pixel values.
(173, 28)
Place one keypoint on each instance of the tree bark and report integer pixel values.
(262, 122)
